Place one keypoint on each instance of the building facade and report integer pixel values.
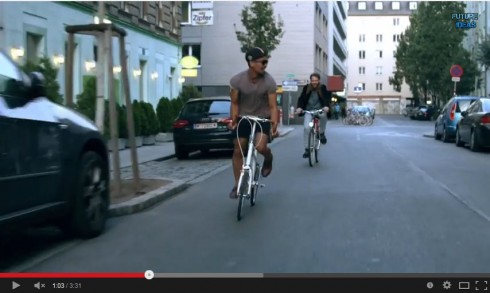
(474, 37)
(314, 40)
(29, 30)
(375, 28)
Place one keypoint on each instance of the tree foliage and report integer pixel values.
(50, 73)
(261, 27)
(484, 53)
(427, 50)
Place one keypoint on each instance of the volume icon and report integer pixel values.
(37, 285)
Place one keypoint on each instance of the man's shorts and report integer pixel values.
(244, 128)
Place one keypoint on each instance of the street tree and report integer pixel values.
(262, 29)
(484, 53)
(427, 50)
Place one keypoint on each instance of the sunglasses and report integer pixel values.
(264, 62)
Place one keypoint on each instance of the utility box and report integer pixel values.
(335, 83)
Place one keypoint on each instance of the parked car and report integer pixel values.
(449, 116)
(53, 161)
(423, 112)
(474, 126)
(202, 124)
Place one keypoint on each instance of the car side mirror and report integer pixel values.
(37, 87)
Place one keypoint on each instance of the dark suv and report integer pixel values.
(53, 161)
(202, 124)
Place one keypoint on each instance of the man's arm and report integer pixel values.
(273, 109)
(234, 107)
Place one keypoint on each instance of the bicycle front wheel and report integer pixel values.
(311, 146)
(242, 191)
(255, 185)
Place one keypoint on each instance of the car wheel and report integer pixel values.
(445, 137)
(474, 146)
(181, 153)
(459, 142)
(437, 136)
(91, 202)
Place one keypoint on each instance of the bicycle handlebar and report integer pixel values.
(255, 118)
(312, 112)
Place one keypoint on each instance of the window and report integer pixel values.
(362, 38)
(379, 70)
(200, 108)
(396, 38)
(143, 81)
(363, 86)
(379, 38)
(412, 5)
(361, 5)
(380, 53)
(34, 47)
(362, 70)
(378, 5)
(396, 21)
(192, 50)
(395, 5)
(362, 54)
(394, 53)
(379, 86)
(186, 12)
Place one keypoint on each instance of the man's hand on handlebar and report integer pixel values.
(298, 111)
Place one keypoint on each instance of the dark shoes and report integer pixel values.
(267, 168)
(323, 139)
(306, 153)
(233, 193)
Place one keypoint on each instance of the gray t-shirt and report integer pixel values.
(253, 98)
(313, 102)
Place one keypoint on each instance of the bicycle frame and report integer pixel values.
(250, 160)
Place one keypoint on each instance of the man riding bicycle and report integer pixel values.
(313, 97)
(253, 92)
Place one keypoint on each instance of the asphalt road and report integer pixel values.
(382, 199)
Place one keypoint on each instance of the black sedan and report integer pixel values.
(474, 126)
(202, 125)
(53, 161)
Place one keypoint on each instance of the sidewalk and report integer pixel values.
(159, 151)
(163, 151)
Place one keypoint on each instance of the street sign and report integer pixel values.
(456, 79)
(456, 70)
(290, 76)
(357, 89)
(289, 83)
(289, 88)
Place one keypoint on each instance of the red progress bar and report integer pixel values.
(73, 275)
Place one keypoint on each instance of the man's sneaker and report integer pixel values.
(306, 154)
(323, 139)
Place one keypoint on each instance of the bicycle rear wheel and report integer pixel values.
(311, 147)
(242, 191)
(255, 185)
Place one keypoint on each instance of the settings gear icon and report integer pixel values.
(446, 285)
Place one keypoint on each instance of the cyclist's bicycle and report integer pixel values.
(314, 135)
(248, 183)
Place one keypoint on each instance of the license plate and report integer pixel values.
(205, 125)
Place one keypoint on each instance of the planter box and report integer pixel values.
(165, 137)
(149, 140)
(138, 141)
(121, 144)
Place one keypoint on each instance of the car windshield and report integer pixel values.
(208, 107)
(463, 105)
(486, 105)
(361, 109)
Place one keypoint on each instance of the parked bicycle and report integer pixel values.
(314, 135)
(248, 183)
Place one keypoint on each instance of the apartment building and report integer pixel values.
(34, 29)
(374, 32)
(314, 41)
(474, 37)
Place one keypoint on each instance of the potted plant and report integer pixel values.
(152, 128)
(139, 120)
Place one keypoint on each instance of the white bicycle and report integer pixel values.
(248, 183)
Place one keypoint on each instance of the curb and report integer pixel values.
(428, 135)
(140, 203)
